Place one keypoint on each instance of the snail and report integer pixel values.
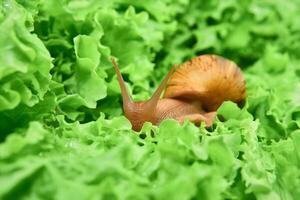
(193, 91)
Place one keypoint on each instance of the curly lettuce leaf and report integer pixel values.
(25, 62)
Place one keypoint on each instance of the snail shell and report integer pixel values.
(209, 79)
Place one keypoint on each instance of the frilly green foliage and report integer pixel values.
(62, 132)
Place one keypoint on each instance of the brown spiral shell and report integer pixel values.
(210, 79)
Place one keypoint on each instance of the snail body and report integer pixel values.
(193, 91)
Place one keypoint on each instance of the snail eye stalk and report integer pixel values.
(125, 95)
